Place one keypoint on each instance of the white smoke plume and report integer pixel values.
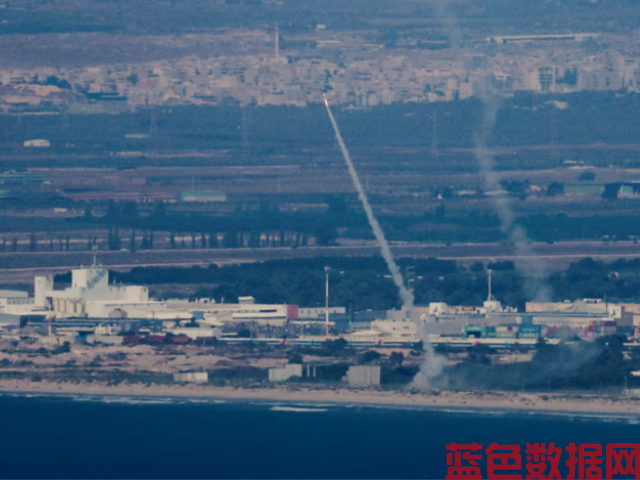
(491, 102)
(405, 294)
(433, 364)
(534, 265)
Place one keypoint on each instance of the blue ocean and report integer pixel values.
(120, 437)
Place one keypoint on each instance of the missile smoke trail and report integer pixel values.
(405, 294)
(433, 367)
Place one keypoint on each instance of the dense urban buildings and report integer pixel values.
(343, 66)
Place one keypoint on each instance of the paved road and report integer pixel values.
(22, 266)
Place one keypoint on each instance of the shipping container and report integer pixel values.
(180, 339)
(132, 339)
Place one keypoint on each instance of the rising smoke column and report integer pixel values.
(433, 366)
(491, 103)
(533, 263)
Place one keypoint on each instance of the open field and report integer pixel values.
(288, 175)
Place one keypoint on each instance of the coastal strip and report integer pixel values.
(489, 401)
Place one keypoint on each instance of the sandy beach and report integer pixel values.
(517, 402)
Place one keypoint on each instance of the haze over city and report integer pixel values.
(281, 216)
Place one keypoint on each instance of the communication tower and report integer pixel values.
(326, 305)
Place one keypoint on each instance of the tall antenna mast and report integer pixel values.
(554, 133)
(326, 305)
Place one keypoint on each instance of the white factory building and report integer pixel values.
(89, 295)
(15, 302)
(207, 312)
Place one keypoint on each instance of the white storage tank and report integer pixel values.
(42, 285)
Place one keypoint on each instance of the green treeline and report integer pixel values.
(619, 280)
(363, 283)
(359, 283)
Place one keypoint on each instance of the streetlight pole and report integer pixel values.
(326, 305)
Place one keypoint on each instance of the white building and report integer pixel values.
(15, 302)
(89, 295)
(319, 312)
(403, 328)
(37, 143)
(221, 313)
(582, 313)
(208, 312)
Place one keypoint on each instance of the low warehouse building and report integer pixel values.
(37, 143)
(191, 377)
(363, 375)
(284, 374)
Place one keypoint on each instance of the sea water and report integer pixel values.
(128, 437)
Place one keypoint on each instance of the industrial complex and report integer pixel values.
(92, 309)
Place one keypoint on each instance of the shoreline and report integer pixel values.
(481, 402)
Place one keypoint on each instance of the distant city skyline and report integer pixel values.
(257, 71)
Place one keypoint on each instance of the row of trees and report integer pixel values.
(133, 241)
(251, 228)
(266, 227)
(262, 219)
(231, 239)
(114, 242)
(34, 244)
